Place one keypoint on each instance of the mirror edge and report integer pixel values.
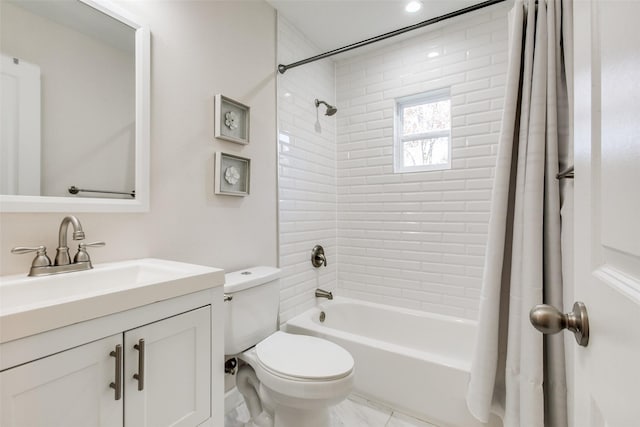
(15, 203)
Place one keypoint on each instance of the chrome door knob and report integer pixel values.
(549, 320)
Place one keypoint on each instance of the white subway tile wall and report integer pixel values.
(414, 240)
(417, 240)
(307, 173)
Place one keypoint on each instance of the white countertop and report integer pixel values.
(30, 305)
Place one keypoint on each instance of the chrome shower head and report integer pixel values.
(331, 110)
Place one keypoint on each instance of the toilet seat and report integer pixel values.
(327, 385)
(303, 358)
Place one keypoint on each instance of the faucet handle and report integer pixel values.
(318, 258)
(41, 259)
(91, 245)
(19, 250)
(82, 255)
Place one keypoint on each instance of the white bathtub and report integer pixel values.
(415, 362)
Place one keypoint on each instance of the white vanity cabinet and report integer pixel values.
(173, 356)
(64, 389)
(168, 365)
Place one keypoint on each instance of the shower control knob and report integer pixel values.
(318, 258)
(549, 320)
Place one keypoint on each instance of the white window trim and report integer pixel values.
(398, 143)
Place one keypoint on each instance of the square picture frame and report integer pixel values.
(232, 175)
(231, 120)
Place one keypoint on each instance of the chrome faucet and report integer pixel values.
(321, 293)
(42, 266)
(62, 253)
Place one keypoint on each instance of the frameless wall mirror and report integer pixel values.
(74, 107)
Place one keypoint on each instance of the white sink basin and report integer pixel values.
(30, 305)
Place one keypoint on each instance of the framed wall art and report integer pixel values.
(232, 175)
(231, 121)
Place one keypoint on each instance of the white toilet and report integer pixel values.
(287, 380)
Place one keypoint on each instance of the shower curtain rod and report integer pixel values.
(282, 68)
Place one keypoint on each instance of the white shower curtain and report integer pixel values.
(516, 373)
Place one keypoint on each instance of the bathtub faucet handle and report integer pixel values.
(318, 258)
(323, 259)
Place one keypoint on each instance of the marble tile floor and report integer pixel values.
(353, 412)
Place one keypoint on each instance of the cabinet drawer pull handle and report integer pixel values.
(117, 385)
(140, 375)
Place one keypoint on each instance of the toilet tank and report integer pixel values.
(251, 314)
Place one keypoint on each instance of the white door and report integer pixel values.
(19, 127)
(607, 211)
(68, 389)
(172, 363)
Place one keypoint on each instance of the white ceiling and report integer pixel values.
(331, 24)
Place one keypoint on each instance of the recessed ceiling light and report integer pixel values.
(433, 54)
(413, 6)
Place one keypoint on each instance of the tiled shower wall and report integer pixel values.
(417, 240)
(412, 240)
(307, 172)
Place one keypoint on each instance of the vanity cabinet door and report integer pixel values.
(67, 389)
(168, 371)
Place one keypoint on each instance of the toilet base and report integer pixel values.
(263, 420)
(289, 411)
(275, 415)
(293, 417)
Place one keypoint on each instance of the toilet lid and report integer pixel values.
(304, 357)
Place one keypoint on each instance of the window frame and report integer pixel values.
(401, 104)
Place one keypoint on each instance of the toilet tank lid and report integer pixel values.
(249, 277)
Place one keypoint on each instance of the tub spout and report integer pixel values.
(321, 293)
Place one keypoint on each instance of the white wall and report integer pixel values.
(88, 102)
(417, 240)
(307, 172)
(198, 49)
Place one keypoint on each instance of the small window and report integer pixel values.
(423, 132)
